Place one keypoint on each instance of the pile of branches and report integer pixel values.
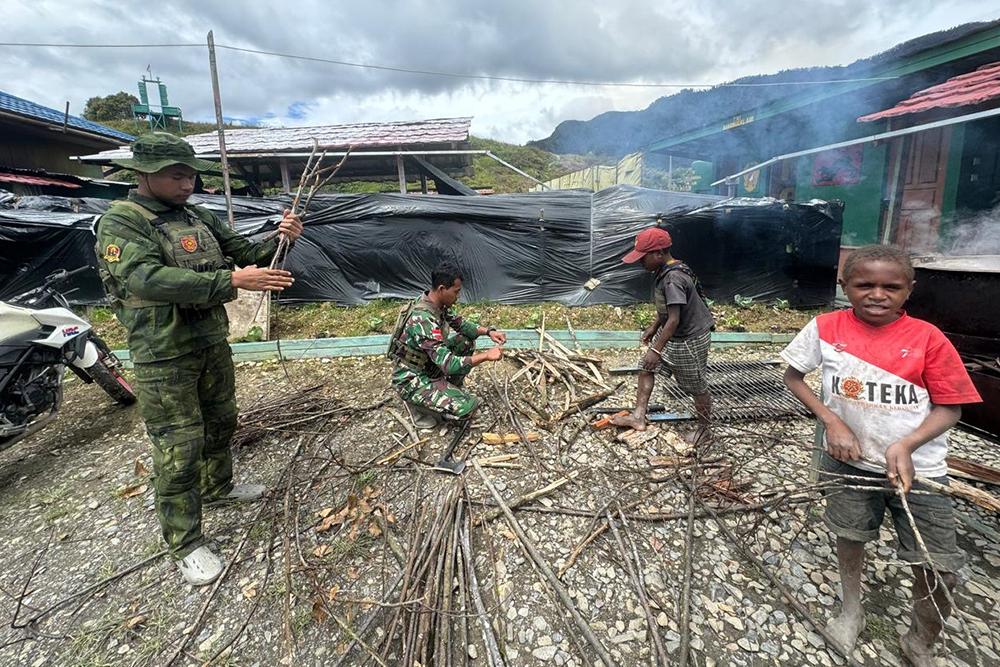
(291, 413)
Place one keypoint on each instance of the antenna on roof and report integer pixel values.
(154, 106)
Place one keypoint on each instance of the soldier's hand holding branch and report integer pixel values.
(262, 280)
(290, 225)
(498, 337)
(492, 354)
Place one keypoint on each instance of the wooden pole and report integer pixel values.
(401, 170)
(286, 177)
(222, 134)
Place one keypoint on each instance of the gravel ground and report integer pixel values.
(75, 509)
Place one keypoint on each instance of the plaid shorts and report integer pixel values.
(687, 361)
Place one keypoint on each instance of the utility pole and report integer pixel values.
(222, 134)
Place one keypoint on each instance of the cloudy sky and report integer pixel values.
(654, 41)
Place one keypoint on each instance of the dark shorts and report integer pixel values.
(687, 361)
(857, 515)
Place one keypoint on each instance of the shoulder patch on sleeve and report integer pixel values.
(112, 253)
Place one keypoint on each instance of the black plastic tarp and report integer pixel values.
(34, 244)
(524, 248)
(762, 249)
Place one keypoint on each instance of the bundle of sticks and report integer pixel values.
(439, 596)
(553, 366)
(291, 412)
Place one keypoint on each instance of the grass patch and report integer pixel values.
(259, 533)
(56, 512)
(323, 320)
(326, 320)
(55, 498)
(89, 647)
(152, 547)
(882, 629)
(108, 568)
(301, 619)
(365, 478)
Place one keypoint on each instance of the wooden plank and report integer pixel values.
(971, 470)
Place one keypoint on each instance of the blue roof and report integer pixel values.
(23, 107)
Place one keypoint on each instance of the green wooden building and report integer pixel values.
(911, 146)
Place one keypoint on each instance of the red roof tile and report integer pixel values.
(35, 180)
(969, 89)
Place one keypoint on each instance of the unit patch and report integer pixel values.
(112, 253)
(189, 243)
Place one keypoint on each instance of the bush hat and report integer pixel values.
(153, 151)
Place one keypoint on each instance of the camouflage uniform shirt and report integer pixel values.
(156, 333)
(423, 332)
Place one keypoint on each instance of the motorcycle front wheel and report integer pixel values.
(110, 379)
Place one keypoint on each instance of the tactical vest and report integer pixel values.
(416, 360)
(658, 296)
(187, 244)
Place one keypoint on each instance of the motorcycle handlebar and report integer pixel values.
(62, 274)
(52, 279)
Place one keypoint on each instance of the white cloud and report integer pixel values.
(627, 40)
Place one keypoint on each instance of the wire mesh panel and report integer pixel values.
(741, 390)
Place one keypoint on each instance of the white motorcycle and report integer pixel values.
(40, 338)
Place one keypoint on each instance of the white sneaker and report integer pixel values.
(422, 418)
(201, 566)
(241, 493)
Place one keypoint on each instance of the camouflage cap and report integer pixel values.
(153, 151)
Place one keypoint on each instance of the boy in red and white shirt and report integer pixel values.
(892, 387)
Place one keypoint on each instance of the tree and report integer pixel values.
(110, 107)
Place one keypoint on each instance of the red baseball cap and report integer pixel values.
(648, 240)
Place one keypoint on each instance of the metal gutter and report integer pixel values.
(882, 136)
(510, 166)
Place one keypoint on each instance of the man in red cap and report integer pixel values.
(680, 337)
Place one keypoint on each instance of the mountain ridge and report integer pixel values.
(618, 133)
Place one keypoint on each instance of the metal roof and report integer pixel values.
(22, 107)
(277, 140)
(976, 87)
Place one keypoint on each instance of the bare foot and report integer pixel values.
(846, 628)
(631, 421)
(918, 654)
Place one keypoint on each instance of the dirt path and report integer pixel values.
(75, 508)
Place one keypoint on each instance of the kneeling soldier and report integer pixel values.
(431, 362)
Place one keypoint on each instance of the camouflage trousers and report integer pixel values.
(443, 395)
(189, 406)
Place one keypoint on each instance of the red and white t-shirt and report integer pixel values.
(882, 380)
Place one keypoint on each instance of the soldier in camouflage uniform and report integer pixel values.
(431, 361)
(167, 269)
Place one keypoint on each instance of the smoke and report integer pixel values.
(973, 233)
(965, 232)
(918, 231)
